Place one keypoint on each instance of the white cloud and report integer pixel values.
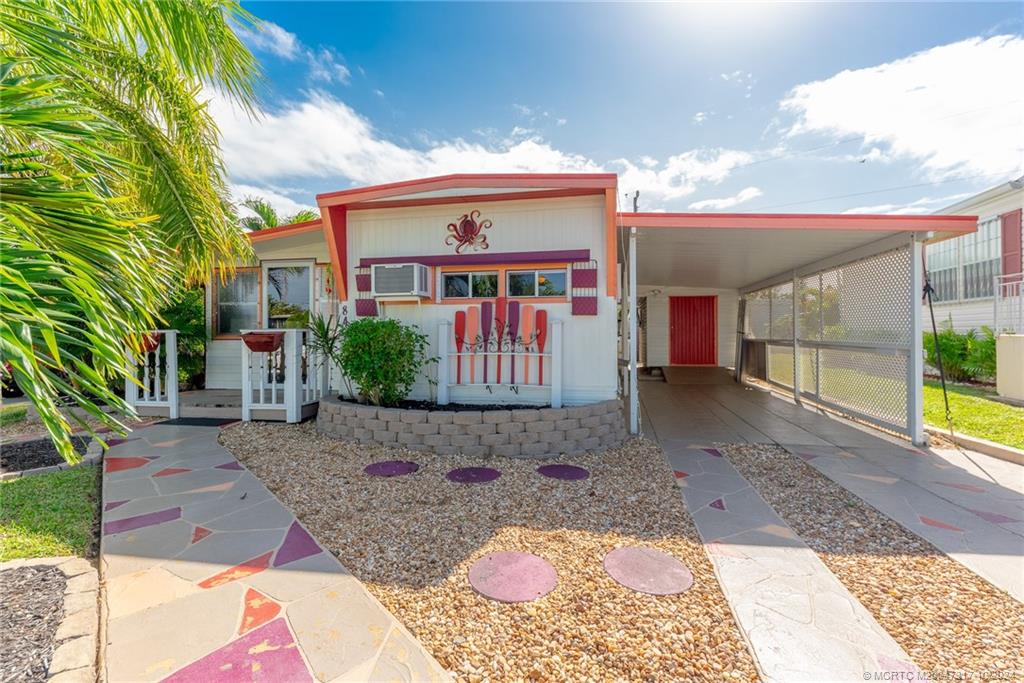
(561, 121)
(285, 206)
(325, 65)
(322, 137)
(270, 37)
(921, 206)
(681, 174)
(948, 108)
(744, 195)
(700, 117)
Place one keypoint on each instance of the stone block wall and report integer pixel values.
(520, 433)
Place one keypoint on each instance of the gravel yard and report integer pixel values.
(412, 539)
(31, 609)
(948, 619)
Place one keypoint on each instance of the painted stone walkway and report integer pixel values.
(800, 620)
(969, 506)
(209, 578)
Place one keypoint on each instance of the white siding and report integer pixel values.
(224, 356)
(966, 315)
(589, 366)
(658, 322)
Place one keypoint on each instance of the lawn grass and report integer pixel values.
(975, 414)
(49, 514)
(12, 414)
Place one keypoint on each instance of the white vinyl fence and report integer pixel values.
(288, 378)
(157, 374)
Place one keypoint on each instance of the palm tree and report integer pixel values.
(267, 217)
(114, 194)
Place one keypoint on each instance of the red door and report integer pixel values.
(693, 325)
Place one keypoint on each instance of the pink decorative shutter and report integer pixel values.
(1011, 240)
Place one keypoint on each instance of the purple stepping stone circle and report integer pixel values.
(647, 570)
(473, 475)
(512, 577)
(566, 472)
(391, 468)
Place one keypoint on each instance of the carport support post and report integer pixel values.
(634, 389)
(796, 339)
(915, 363)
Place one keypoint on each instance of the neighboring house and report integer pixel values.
(963, 271)
(444, 253)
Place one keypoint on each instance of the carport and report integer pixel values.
(824, 307)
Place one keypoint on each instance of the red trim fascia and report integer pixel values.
(514, 180)
(284, 230)
(475, 198)
(801, 221)
(611, 257)
(335, 220)
(511, 258)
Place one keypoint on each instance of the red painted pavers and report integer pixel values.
(268, 653)
(122, 464)
(257, 610)
(938, 524)
(171, 471)
(199, 533)
(239, 571)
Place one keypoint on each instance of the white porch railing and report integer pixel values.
(157, 375)
(500, 363)
(1008, 316)
(287, 379)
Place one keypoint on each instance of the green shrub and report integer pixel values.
(965, 356)
(187, 315)
(381, 357)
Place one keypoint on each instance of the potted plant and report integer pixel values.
(150, 342)
(263, 342)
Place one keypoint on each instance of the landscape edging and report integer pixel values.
(517, 433)
(93, 454)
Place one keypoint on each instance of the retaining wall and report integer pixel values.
(520, 433)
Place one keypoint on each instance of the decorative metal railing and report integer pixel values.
(156, 373)
(284, 376)
(1008, 316)
(500, 346)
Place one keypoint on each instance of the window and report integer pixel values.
(942, 268)
(980, 259)
(536, 283)
(470, 285)
(237, 304)
(288, 296)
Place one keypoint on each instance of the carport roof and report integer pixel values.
(737, 250)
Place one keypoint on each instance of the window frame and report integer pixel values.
(471, 275)
(265, 266)
(502, 270)
(537, 272)
(215, 301)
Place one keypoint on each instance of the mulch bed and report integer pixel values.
(31, 610)
(27, 455)
(952, 623)
(412, 540)
(454, 407)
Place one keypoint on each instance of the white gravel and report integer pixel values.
(412, 539)
(954, 624)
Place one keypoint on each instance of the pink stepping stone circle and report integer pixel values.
(390, 468)
(647, 570)
(512, 577)
(473, 475)
(564, 472)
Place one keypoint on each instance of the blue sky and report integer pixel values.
(800, 107)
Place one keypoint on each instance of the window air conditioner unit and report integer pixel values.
(400, 280)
